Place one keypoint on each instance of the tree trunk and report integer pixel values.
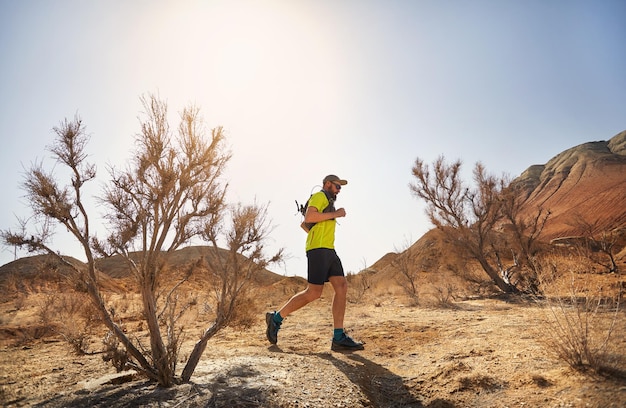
(495, 277)
(94, 293)
(198, 349)
(160, 357)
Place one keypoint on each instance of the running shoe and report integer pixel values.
(346, 344)
(272, 327)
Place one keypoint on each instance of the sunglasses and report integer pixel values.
(337, 186)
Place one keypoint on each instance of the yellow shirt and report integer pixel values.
(322, 235)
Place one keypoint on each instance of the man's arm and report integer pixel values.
(314, 216)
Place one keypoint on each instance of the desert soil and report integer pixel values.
(480, 353)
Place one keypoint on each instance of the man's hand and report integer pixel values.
(340, 213)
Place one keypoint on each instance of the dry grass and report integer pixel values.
(585, 319)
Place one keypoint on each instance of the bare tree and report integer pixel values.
(170, 194)
(468, 216)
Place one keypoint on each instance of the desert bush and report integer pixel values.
(77, 339)
(600, 245)
(408, 272)
(81, 322)
(70, 315)
(46, 308)
(445, 294)
(114, 353)
(122, 306)
(359, 285)
(246, 311)
(583, 323)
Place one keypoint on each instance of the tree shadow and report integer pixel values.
(383, 388)
(139, 392)
(234, 388)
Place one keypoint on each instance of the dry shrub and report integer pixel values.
(446, 287)
(72, 316)
(359, 284)
(473, 279)
(583, 319)
(46, 308)
(408, 275)
(246, 311)
(77, 339)
(123, 306)
(445, 294)
(113, 353)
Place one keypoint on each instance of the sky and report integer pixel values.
(306, 88)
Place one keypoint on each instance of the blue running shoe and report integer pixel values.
(272, 327)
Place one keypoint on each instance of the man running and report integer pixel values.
(323, 266)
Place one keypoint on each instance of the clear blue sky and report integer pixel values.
(310, 87)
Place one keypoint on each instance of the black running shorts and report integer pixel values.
(322, 264)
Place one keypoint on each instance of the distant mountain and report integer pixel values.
(585, 182)
(116, 267)
(48, 268)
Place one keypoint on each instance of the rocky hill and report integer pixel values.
(582, 185)
(33, 272)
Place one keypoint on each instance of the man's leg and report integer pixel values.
(341, 341)
(317, 264)
(340, 285)
(275, 319)
(311, 293)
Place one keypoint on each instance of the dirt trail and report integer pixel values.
(485, 353)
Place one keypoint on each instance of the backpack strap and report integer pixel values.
(306, 226)
(331, 201)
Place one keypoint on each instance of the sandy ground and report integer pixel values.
(482, 353)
